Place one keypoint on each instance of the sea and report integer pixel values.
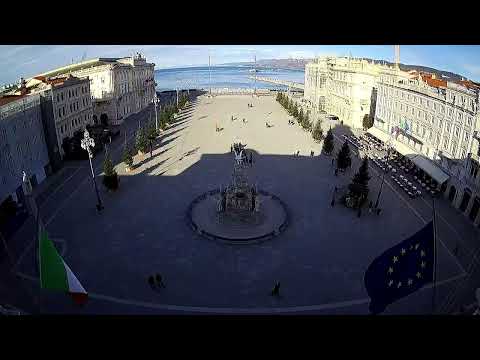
(232, 77)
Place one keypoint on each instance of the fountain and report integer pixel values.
(239, 212)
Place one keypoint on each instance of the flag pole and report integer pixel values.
(434, 256)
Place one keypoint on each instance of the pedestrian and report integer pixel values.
(231, 149)
(276, 289)
(333, 160)
(159, 280)
(298, 152)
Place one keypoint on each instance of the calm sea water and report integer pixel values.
(234, 77)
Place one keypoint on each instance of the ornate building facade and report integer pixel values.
(343, 87)
(436, 123)
(119, 86)
(67, 105)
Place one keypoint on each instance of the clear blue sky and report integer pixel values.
(28, 60)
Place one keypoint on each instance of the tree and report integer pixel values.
(367, 122)
(127, 156)
(110, 178)
(343, 158)
(317, 133)
(359, 186)
(328, 143)
(295, 111)
(301, 116)
(141, 141)
(152, 132)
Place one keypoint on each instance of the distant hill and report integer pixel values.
(293, 64)
(299, 64)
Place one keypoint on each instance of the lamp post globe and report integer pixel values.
(87, 143)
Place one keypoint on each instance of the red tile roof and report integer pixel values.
(10, 98)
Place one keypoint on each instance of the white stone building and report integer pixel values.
(71, 107)
(436, 124)
(119, 86)
(343, 87)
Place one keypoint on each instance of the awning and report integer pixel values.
(379, 134)
(403, 149)
(430, 168)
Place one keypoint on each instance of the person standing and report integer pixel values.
(276, 289)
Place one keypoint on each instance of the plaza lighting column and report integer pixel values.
(87, 144)
(155, 102)
(383, 178)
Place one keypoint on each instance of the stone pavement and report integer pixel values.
(320, 260)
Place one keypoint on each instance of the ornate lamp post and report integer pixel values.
(155, 102)
(87, 144)
(383, 179)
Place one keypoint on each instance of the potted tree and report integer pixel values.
(110, 177)
(128, 158)
(343, 159)
(328, 143)
(141, 142)
(317, 133)
(358, 189)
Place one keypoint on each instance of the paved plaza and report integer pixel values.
(320, 259)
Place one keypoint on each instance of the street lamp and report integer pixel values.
(383, 178)
(155, 102)
(87, 144)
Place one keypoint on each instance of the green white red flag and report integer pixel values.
(55, 273)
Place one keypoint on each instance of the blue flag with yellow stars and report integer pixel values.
(401, 270)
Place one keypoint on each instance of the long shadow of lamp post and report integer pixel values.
(87, 144)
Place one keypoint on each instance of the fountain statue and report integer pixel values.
(239, 200)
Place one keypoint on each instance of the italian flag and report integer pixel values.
(55, 273)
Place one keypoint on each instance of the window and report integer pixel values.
(454, 148)
(457, 131)
(445, 143)
(465, 136)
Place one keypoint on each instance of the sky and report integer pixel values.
(28, 60)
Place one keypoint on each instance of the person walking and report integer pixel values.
(276, 289)
(151, 281)
(159, 280)
(333, 161)
(298, 152)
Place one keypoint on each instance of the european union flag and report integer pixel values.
(401, 270)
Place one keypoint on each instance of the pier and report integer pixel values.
(291, 84)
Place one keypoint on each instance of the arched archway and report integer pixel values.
(451, 194)
(467, 194)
